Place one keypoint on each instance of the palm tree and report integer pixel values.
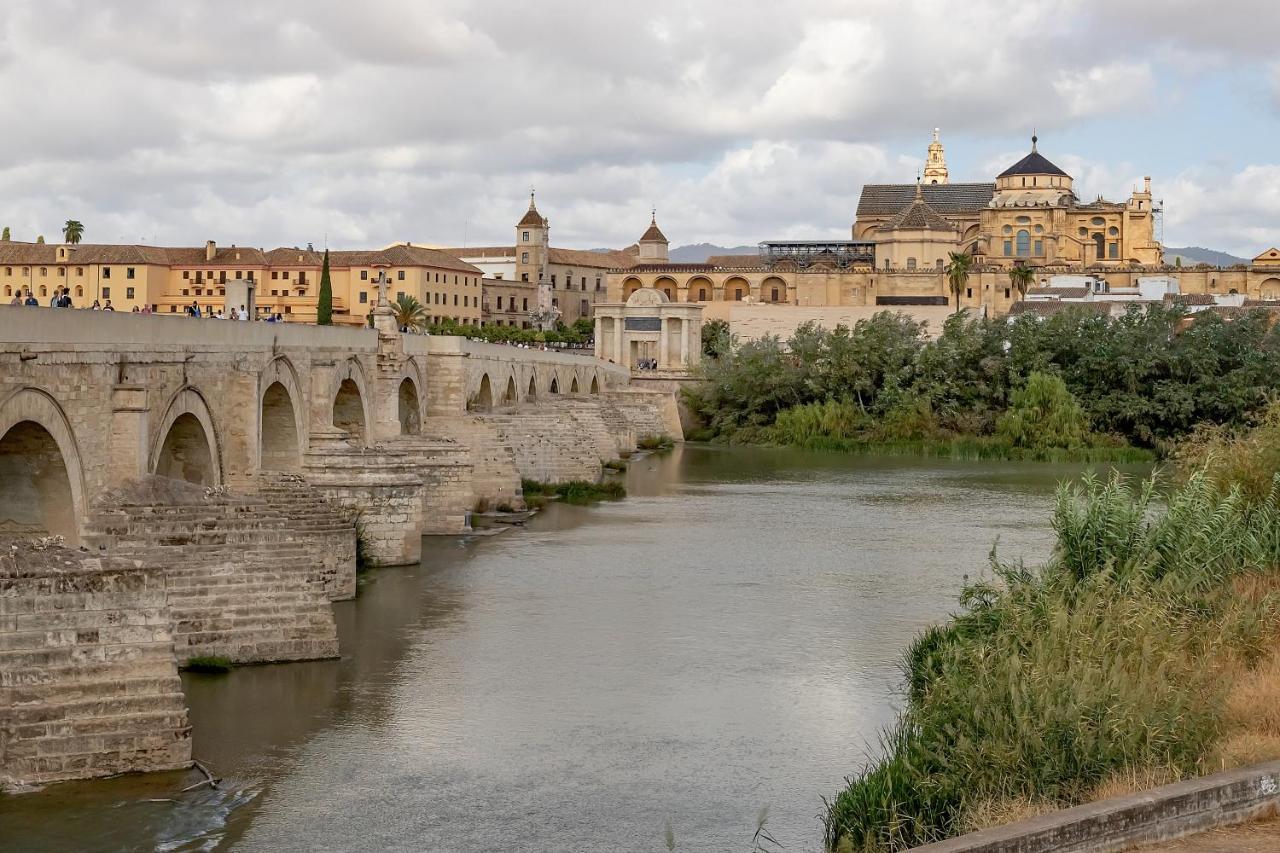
(72, 231)
(958, 273)
(410, 315)
(1021, 277)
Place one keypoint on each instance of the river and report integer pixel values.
(725, 639)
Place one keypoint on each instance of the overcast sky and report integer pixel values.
(283, 122)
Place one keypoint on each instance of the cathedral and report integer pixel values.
(904, 235)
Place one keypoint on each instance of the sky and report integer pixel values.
(360, 124)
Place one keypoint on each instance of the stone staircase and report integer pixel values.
(88, 681)
(247, 576)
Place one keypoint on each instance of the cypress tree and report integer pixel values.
(5, 235)
(324, 309)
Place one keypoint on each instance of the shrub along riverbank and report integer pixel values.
(1076, 385)
(1142, 652)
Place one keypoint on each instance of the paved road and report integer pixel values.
(1251, 838)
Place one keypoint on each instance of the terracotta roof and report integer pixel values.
(222, 256)
(613, 259)
(735, 261)
(1190, 298)
(889, 199)
(483, 252)
(1048, 307)
(918, 216)
(531, 216)
(402, 256)
(84, 253)
(1033, 164)
(1060, 292)
(654, 233)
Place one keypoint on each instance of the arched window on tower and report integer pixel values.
(1024, 243)
(911, 263)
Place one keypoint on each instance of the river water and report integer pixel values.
(727, 638)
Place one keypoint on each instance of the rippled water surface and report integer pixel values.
(727, 638)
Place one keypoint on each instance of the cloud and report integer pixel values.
(397, 119)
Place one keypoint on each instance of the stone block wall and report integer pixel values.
(88, 678)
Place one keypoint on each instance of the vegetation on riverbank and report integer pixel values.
(1074, 386)
(1140, 653)
(655, 442)
(578, 492)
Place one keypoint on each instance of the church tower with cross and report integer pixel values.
(935, 164)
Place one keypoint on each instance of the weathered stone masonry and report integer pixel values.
(213, 474)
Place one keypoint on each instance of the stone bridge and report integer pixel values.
(214, 482)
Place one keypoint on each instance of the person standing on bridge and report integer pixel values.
(31, 299)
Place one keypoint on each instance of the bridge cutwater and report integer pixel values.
(208, 480)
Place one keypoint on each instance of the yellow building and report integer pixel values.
(285, 281)
(903, 237)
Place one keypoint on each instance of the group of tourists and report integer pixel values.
(647, 364)
(61, 299)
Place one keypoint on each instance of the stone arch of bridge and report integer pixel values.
(554, 387)
(574, 388)
(511, 395)
(409, 406)
(532, 392)
(187, 445)
(351, 401)
(41, 474)
(595, 384)
(482, 399)
(281, 404)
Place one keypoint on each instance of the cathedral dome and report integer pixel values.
(1034, 163)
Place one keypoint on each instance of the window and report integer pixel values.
(186, 292)
(553, 279)
(1039, 229)
(364, 275)
(911, 263)
(1084, 232)
(239, 273)
(525, 305)
(584, 282)
(399, 295)
(737, 294)
(1113, 250)
(173, 309)
(275, 274)
(79, 272)
(1008, 250)
(525, 236)
(1098, 242)
(62, 272)
(1023, 220)
(524, 257)
(584, 308)
(1024, 243)
(222, 277)
(106, 272)
(1039, 248)
(1113, 231)
(26, 271)
(773, 295)
(1006, 293)
(399, 275)
(44, 272)
(455, 300)
(1097, 220)
(524, 276)
(968, 293)
(128, 272)
(702, 294)
(106, 293)
(466, 301)
(128, 293)
(938, 265)
(555, 303)
(8, 270)
(499, 303)
(364, 297)
(455, 279)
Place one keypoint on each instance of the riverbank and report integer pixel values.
(1140, 653)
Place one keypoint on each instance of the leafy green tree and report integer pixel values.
(72, 231)
(5, 235)
(324, 307)
(958, 273)
(1043, 414)
(40, 239)
(715, 338)
(411, 316)
(1021, 276)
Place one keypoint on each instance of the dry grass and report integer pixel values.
(991, 813)
(1134, 779)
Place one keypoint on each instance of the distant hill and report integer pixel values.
(1198, 255)
(699, 252)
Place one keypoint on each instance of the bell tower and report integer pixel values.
(532, 240)
(935, 165)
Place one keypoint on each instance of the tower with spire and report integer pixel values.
(653, 243)
(533, 237)
(935, 164)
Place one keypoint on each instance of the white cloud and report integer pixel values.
(396, 119)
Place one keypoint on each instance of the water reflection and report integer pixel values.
(727, 637)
